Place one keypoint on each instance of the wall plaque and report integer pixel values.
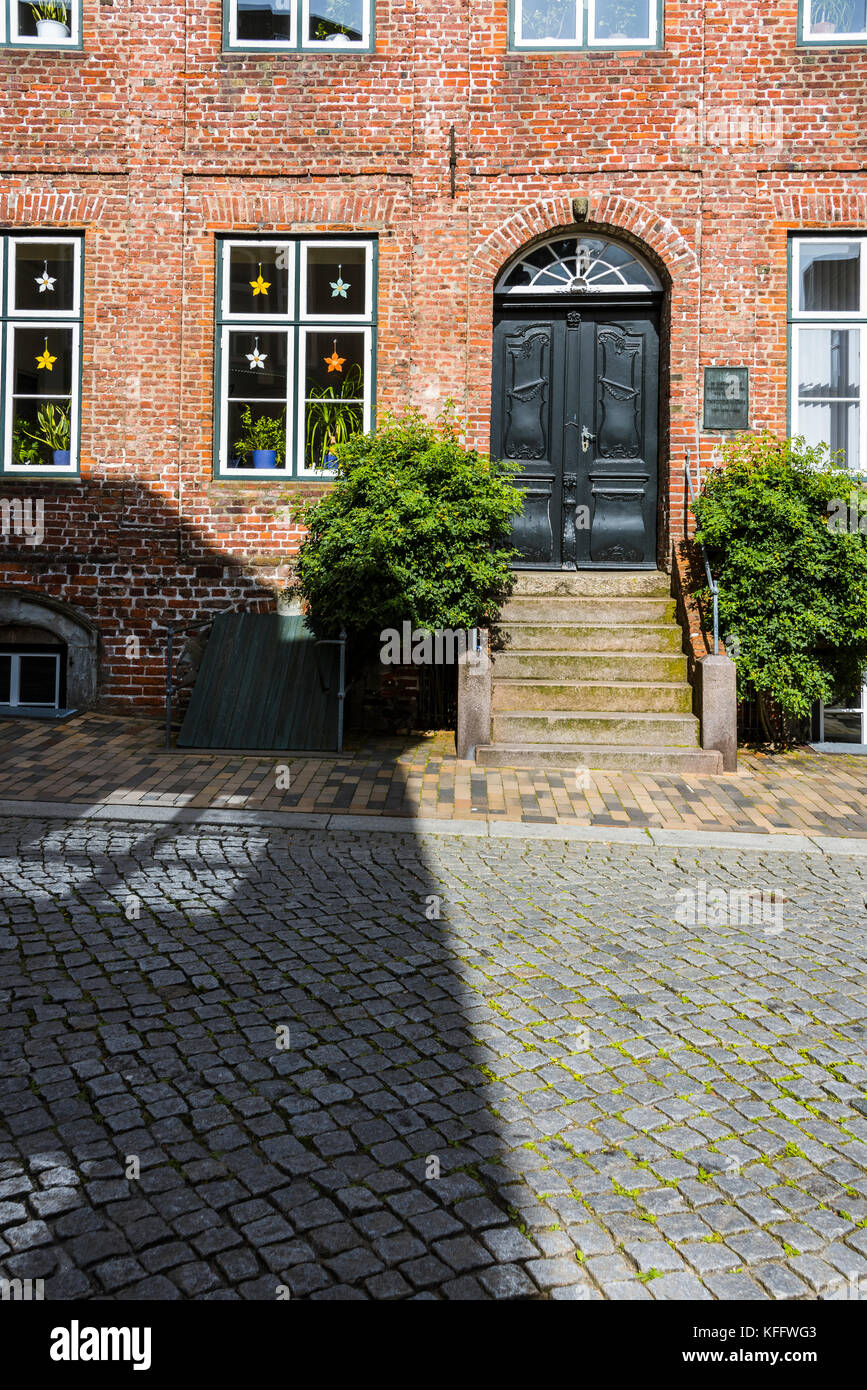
(726, 398)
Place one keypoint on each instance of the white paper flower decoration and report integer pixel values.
(46, 281)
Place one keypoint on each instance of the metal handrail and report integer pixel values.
(712, 583)
(341, 690)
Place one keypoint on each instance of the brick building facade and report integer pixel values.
(705, 151)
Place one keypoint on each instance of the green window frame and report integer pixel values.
(40, 24)
(336, 27)
(554, 26)
(40, 353)
(828, 343)
(300, 311)
(824, 23)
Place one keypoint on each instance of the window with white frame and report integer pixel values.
(40, 23)
(552, 24)
(31, 678)
(834, 21)
(40, 347)
(322, 25)
(843, 721)
(828, 318)
(296, 334)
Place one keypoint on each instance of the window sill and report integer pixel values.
(277, 50)
(35, 712)
(859, 749)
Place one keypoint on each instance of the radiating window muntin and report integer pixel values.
(304, 358)
(828, 317)
(578, 264)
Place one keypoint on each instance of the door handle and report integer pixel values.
(586, 437)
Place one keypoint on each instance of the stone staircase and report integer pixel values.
(593, 675)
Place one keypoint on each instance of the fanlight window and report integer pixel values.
(578, 265)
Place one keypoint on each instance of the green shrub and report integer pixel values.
(792, 572)
(416, 527)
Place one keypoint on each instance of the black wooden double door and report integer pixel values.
(575, 409)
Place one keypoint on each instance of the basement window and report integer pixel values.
(549, 25)
(833, 21)
(30, 679)
(40, 23)
(324, 26)
(296, 337)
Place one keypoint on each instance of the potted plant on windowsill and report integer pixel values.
(52, 19)
(332, 417)
(263, 442)
(54, 433)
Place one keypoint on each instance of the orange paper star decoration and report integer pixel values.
(46, 360)
(334, 363)
(260, 286)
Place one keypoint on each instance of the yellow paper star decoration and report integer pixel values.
(260, 286)
(334, 363)
(45, 359)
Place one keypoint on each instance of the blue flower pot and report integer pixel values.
(264, 458)
(61, 458)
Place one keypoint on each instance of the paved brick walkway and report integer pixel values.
(375, 1066)
(97, 758)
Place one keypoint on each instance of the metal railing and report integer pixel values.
(712, 584)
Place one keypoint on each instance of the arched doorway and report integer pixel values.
(575, 403)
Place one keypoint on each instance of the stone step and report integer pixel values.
(594, 727)
(566, 610)
(571, 759)
(593, 583)
(566, 665)
(636, 696)
(591, 637)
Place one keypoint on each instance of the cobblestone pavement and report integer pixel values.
(104, 758)
(512, 1069)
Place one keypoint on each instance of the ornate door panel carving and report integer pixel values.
(528, 376)
(618, 373)
(618, 396)
(527, 406)
(575, 409)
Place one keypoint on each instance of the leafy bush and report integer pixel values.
(416, 528)
(792, 571)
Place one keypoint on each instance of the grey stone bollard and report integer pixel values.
(474, 700)
(719, 708)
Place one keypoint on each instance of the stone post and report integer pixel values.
(474, 699)
(719, 708)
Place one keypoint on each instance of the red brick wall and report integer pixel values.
(152, 141)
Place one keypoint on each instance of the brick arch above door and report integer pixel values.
(666, 246)
(612, 213)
